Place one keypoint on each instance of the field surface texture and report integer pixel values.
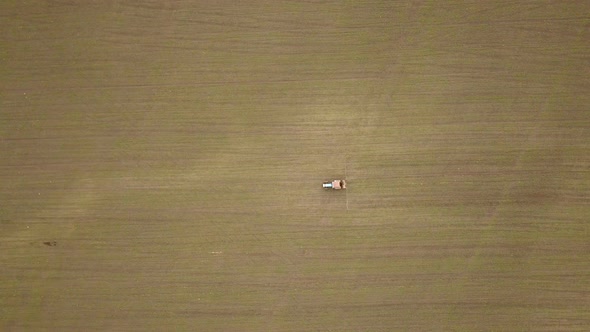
(161, 165)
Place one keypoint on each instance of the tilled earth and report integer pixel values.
(161, 165)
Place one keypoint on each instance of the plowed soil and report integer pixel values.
(161, 165)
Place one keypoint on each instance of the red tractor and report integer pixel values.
(336, 184)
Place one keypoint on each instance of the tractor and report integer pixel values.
(336, 184)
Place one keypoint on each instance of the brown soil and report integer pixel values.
(161, 164)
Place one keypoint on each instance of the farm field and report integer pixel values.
(161, 165)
